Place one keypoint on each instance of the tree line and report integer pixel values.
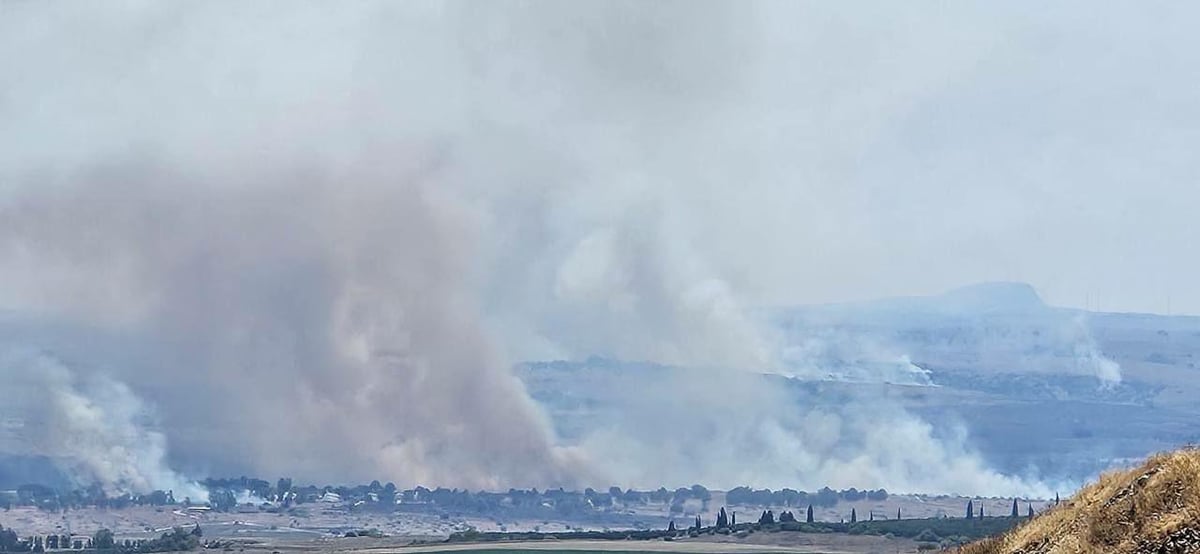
(176, 540)
(223, 495)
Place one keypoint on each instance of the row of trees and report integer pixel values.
(786, 516)
(176, 540)
(10, 541)
(768, 517)
(825, 497)
(224, 495)
(51, 499)
(1014, 513)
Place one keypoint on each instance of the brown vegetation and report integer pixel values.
(1152, 509)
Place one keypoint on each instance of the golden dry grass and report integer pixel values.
(1154, 508)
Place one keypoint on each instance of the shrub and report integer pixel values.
(927, 535)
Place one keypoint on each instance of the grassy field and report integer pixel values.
(830, 544)
(682, 550)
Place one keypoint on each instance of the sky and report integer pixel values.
(811, 152)
(366, 215)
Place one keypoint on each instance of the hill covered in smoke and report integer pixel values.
(883, 375)
(1053, 393)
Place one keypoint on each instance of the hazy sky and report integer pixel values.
(804, 152)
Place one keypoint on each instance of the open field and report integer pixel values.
(763, 543)
(584, 547)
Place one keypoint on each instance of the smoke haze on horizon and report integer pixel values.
(341, 228)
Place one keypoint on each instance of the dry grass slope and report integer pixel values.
(1152, 509)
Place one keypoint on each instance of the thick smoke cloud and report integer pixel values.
(310, 319)
(329, 233)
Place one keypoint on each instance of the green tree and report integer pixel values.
(103, 540)
(8, 540)
(177, 540)
(222, 500)
(970, 509)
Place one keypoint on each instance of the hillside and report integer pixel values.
(1154, 508)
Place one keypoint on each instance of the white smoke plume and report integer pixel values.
(1086, 353)
(1002, 327)
(95, 428)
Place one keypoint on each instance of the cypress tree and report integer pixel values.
(897, 514)
(671, 526)
(970, 509)
(810, 514)
(1055, 499)
(981, 510)
(698, 526)
(1016, 511)
(733, 519)
(853, 516)
(1029, 507)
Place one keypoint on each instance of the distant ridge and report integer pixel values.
(998, 297)
(989, 297)
(1151, 509)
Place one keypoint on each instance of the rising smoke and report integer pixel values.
(331, 234)
(97, 428)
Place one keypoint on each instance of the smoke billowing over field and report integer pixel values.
(269, 240)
